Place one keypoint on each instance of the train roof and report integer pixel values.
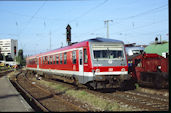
(134, 48)
(100, 39)
(80, 44)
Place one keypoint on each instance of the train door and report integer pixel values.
(37, 62)
(81, 61)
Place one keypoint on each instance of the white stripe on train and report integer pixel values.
(79, 73)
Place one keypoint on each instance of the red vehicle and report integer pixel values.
(150, 70)
(98, 62)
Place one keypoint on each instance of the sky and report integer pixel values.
(40, 26)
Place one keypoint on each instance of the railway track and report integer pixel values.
(144, 102)
(4, 72)
(135, 100)
(45, 99)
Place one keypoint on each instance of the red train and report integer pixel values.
(150, 70)
(98, 63)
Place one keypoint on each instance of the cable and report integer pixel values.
(29, 16)
(85, 13)
(144, 13)
(32, 17)
(128, 30)
(88, 11)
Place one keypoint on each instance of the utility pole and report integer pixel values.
(160, 38)
(106, 22)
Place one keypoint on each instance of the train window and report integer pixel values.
(74, 57)
(43, 60)
(57, 59)
(85, 56)
(138, 62)
(65, 58)
(61, 58)
(108, 54)
(40, 60)
(35, 61)
(54, 59)
(137, 52)
(81, 57)
(51, 59)
(48, 59)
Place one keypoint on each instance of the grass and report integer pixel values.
(93, 100)
(137, 86)
(85, 97)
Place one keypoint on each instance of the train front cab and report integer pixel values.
(107, 65)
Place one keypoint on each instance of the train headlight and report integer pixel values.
(123, 69)
(159, 67)
(97, 70)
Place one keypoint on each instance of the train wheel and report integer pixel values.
(123, 86)
(127, 85)
(92, 85)
(75, 81)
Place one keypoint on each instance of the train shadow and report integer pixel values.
(106, 90)
(111, 90)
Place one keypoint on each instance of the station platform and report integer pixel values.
(10, 98)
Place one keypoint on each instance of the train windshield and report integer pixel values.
(108, 53)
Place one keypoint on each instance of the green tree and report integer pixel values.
(20, 59)
(1, 56)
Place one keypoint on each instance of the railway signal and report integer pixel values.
(68, 34)
(15, 51)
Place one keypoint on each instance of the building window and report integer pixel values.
(61, 58)
(65, 58)
(57, 59)
(74, 57)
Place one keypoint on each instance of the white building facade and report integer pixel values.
(9, 47)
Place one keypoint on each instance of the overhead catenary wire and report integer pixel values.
(144, 13)
(32, 17)
(85, 13)
(139, 27)
(88, 11)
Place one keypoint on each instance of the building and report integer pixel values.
(161, 49)
(9, 47)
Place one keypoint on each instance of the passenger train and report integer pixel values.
(97, 62)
